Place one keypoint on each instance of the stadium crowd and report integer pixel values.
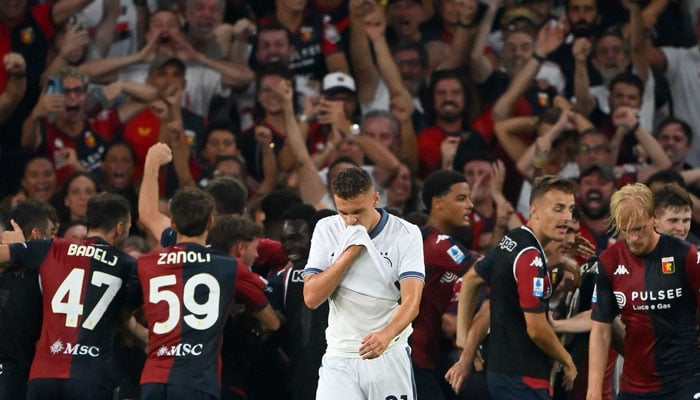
(158, 135)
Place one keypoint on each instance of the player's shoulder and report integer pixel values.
(399, 225)
(330, 223)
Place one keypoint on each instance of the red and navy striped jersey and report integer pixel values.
(656, 298)
(83, 285)
(445, 262)
(187, 291)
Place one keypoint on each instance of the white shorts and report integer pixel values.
(387, 377)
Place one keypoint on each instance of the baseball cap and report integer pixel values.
(605, 171)
(162, 60)
(337, 81)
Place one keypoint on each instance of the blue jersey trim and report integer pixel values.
(311, 271)
(381, 224)
(412, 274)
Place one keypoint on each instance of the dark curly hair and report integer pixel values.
(351, 182)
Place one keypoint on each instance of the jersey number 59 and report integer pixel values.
(208, 310)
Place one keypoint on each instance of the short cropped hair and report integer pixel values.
(351, 182)
(105, 211)
(685, 128)
(191, 209)
(231, 229)
(229, 195)
(33, 214)
(665, 176)
(633, 202)
(547, 183)
(629, 79)
(438, 184)
(671, 196)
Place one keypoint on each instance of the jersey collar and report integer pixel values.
(381, 224)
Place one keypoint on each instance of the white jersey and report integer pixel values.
(368, 294)
(202, 84)
(682, 72)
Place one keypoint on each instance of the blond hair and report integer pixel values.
(632, 203)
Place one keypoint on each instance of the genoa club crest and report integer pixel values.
(668, 265)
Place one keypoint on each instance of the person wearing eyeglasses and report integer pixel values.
(62, 128)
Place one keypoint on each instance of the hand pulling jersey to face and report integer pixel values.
(364, 303)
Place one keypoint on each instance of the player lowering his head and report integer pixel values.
(651, 280)
(83, 284)
(369, 265)
(188, 290)
(522, 342)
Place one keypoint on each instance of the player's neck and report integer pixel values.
(97, 234)
(201, 239)
(439, 225)
(375, 220)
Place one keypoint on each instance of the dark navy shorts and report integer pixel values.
(67, 389)
(516, 387)
(164, 391)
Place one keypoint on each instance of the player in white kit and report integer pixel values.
(369, 265)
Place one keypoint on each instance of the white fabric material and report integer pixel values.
(202, 84)
(380, 101)
(120, 47)
(683, 74)
(367, 296)
(356, 379)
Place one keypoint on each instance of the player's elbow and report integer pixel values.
(536, 334)
(312, 299)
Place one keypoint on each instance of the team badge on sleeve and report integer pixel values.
(455, 254)
(538, 287)
(668, 265)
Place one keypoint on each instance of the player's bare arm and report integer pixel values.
(318, 287)
(159, 154)
(374, 344)
(471, 282)
(598, 346)
(268, 319)
(542, 333)
(4, 257)
(458, 374)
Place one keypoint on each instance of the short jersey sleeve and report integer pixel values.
(29, 254)
(445, 253)
(603, 302)
(412, 264)
(532, 280)
(485, 266)
(320, 251)
(250, 289)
